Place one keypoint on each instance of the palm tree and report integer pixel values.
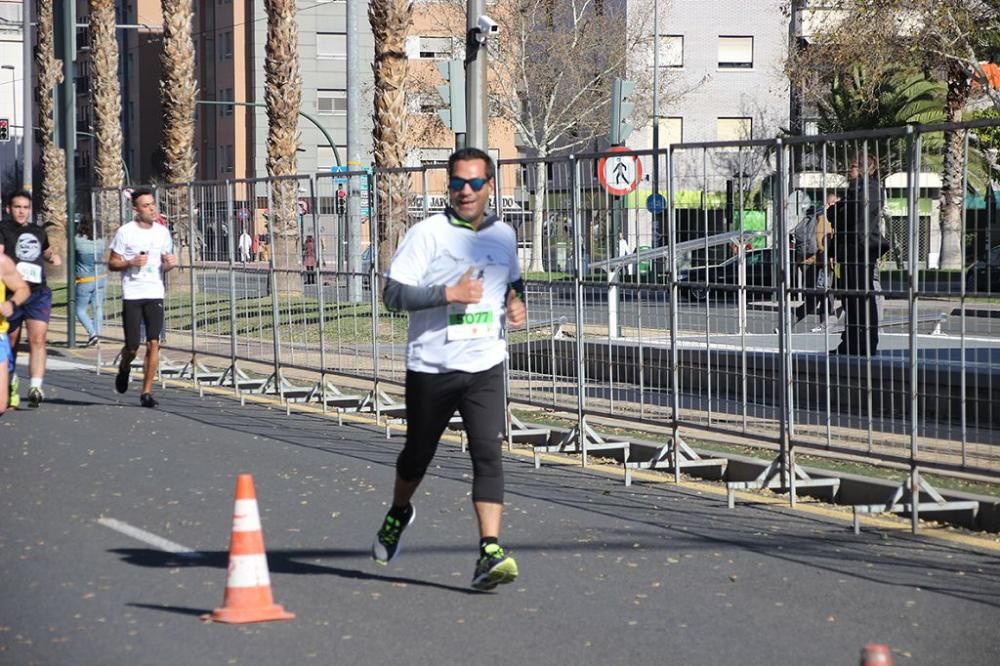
(178, 93)
(53, 203)
(283, 95)
(390, 21)
(107, 108)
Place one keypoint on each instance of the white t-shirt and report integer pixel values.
(130, 241)
(438, 251)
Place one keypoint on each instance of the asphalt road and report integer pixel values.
(651, 574)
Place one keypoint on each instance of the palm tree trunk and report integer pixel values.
(107, 111)
(390, 21)
(953, 183)
(178, 93)
(283, 95)
(52, 211)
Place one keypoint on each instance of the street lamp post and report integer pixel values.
(336, 154)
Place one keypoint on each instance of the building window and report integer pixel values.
(671, 130)
(429, 48)
(331, 101)
(735, 52)
(331, 45)
(671, 50)
(734, 129)
(226, 45)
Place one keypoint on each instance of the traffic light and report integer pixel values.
(621, 108)
(4, 129)
(453, 94)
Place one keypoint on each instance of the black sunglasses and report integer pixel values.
(458, 184)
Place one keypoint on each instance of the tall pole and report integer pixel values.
(27, 95)
(656, 107)
(66, 50)
(475, 79)
(355, 12)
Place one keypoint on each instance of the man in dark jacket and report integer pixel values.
(856, 220)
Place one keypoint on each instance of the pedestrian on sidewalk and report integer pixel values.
(142, 252)
(457, 275)
(14, 291)
(27, 244)
(91, 277)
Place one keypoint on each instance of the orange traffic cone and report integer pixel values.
(248, 586)
(876, 654)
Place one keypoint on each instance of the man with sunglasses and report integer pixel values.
(457, 275)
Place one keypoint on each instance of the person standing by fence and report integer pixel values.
(457, 275)
(91, 278)
(309, 259)
(856, 221)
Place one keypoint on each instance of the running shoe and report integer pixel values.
(147, 400)
(93, 340)
(493, 568)
(15, 393)
(35, 396)
(386, 545)
(121, 379)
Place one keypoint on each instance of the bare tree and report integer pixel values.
(552, 77)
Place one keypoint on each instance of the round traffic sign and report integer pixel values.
(619, 174)
(656, 203)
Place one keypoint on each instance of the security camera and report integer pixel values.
(487, 26)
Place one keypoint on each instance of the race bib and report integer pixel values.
(470, 322)
(30, 272)
(147, 273)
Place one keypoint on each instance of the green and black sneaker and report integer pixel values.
(386, 545)
(493, 568)
(14, 401)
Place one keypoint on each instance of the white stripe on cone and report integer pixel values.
(245, 516)
(248, 571)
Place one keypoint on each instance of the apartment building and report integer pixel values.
(727, 56)
(11, 92)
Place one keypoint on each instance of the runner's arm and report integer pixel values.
(15, 283)
(399, 297)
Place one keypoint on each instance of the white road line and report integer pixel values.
(150, 538)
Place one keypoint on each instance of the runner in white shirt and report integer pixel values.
(457, 275)
(142, 251)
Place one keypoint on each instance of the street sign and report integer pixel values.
(243, 214)
(339, 169)
(619, 174)
(656, 203)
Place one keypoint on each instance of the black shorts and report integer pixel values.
(148, 311)
(431, 400)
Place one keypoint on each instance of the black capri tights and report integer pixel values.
(431, 400)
